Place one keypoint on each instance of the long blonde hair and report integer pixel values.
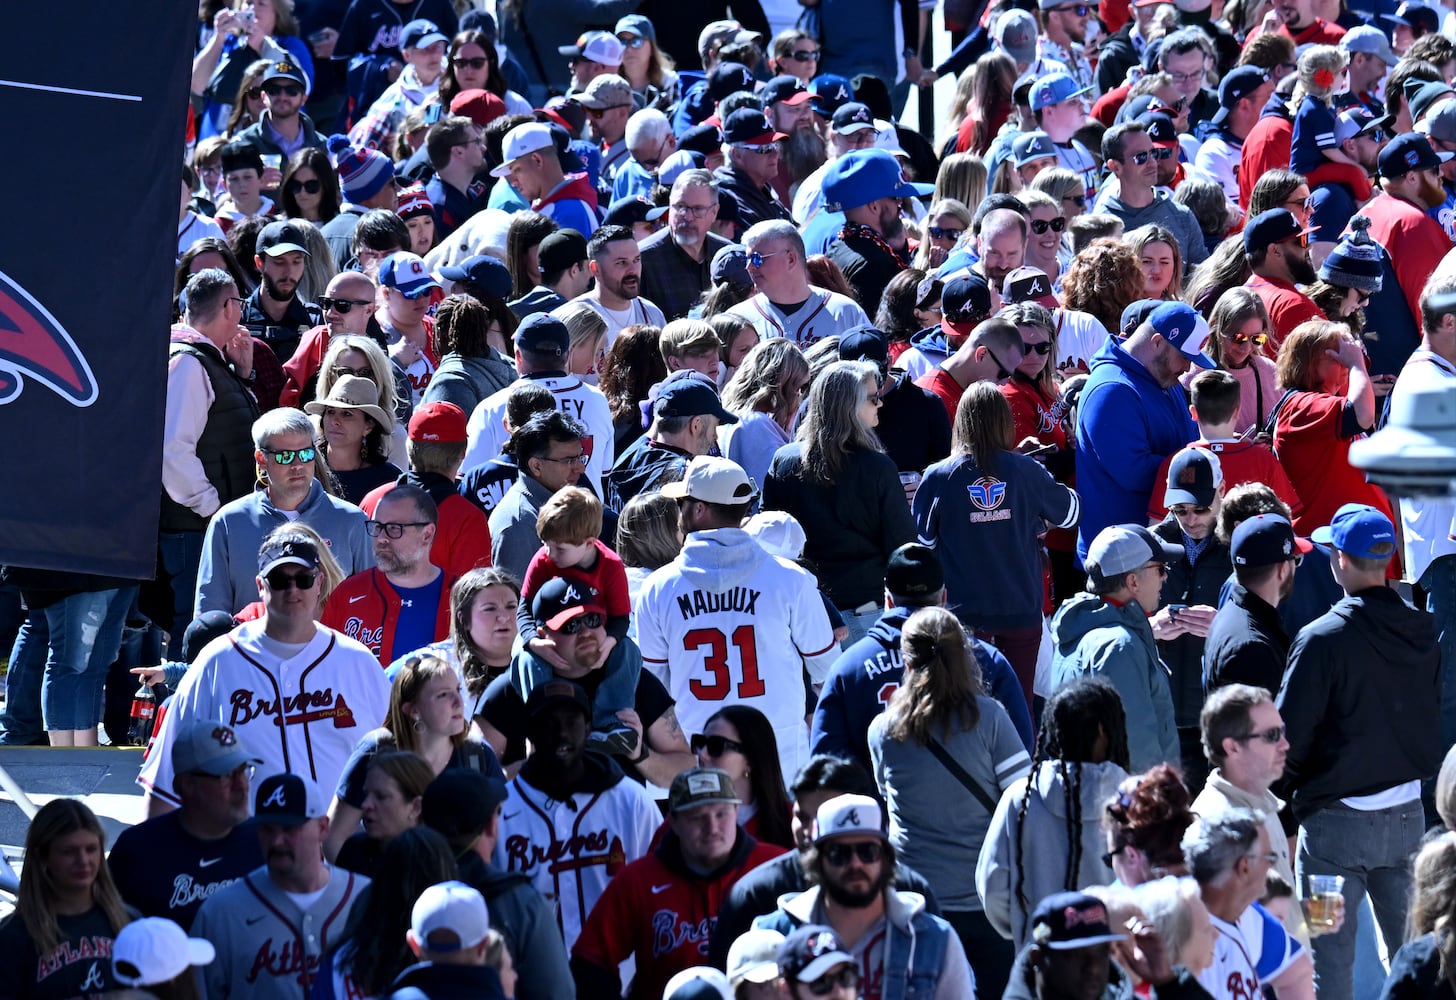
(409, 684)
(942, 679)
(36, 902)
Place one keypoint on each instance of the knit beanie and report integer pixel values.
(362, 172)
(1355, 260)
(413, 201)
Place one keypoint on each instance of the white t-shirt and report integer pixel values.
(639, 311)
(823, 314)
(1079, 336)
(1218, 159)
(486, 428)
(1248, 953)
(1427, 524)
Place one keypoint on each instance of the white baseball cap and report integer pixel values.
(522, 141)
(449, 917)
(698, 983)
(778, 532)
(154, 950)
(713, 480)
(754, 957)
(846, 815)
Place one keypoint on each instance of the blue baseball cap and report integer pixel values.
(865, 175)
(1055, 88)
(407, 274)
(1411, 151)
(1358, 530)
(1028, 147)
(1182, 326)
(827, 92)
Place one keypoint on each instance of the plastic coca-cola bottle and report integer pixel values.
(143, 710)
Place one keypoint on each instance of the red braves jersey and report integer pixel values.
(571, 849)
(663, 914)
(576, 399)
(365, 607)
(302, 714)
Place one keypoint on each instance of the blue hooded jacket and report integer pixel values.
(1126, 425)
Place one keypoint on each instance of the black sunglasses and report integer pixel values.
(869, 853)
(1042, 348)
(716, 745)
(847, 976)
(279, 580)
(937, 233)
(1002, 372)
(1040, 226)
(804, 55)
(295, 185)
(475, 62)
(1107, 856)
(341, 306)
(589, 620)
(253, 93)
(287, 89)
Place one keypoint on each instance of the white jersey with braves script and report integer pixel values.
(823, 314)
(1247, 954)
(486, 429)
(570, 849)
(725, 623)
(303, 714)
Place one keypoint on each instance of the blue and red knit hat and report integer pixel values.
(362, 172)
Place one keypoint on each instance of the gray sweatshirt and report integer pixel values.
(1165, 212)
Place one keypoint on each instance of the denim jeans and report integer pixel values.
(20, 723)
(1373, 851)
(85, 635)
(180, 554)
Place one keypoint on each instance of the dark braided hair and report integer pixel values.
(1075, 716)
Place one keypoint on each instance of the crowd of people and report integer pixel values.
(640, 520)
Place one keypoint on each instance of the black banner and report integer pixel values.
(93, 105)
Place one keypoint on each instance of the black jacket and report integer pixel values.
(522, 917)
(755, 204)
(1189, 583)
(1247, 644)
(1183, 987)
(1415, 973)
(1115, 58)
(428, 981)
(1361, 700)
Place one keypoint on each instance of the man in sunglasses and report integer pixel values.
(403, 603)
(307, 721)
(1136, 199)
(1063, 37)
(1275, 247)
(886, 933)
(1247, 643)
(990, 353)
(1241, 98)
(1362, 700)
(661, 908)
(751, 148)
(867, 185)
(609, 103)
(1105, 633)
(283, 128)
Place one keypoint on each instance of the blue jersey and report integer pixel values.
(1314, 132)
(869, 672)
(164, 871)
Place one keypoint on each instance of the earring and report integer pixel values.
(419, 725)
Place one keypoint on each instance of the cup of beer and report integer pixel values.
(1322, 904)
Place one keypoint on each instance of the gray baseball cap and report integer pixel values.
(206, 746)
(1122, 548)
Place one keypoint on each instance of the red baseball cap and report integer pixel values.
(442, 422)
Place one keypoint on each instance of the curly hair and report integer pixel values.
(1103, 280)
(1150, 812)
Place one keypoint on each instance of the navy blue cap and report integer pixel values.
(705, 139)
(563, 598)
(492, 276)
(1160, 128)
(1068, 920)
(690, 397)
(830, 93)
(852, 117)
(1411, 151)
(285, 69)
(1194, 476)
(785, 90)
(1273, 226)
(542, 333)
(421, 33)
(729, 78)
(1240, 82)
(628, 210)
(1028, 147)
(1265, 539)
(864, 344)
(751, 127)
(1418, 16)
(1136, 314)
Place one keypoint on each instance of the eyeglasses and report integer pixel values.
(937, 233)
(758, 149)
(290, 455)
(243, 771)
(580, 459)
(341, 306)
(1185, 510)
(283, 89)
(595, 113)
(716, 745)
(874, 397)
(1002, 372)
(254, 93)
(242, 302)
(1270, 736)
(1107, 856)
(390, 529)
(1040, 226)
(279, 580)
(847, 976)
(756, 259)
(805, 55)
(634, 42)
(1258, 339)
(1043, 348)
(1187, 77)
(691, 211)
(589, 620)
(868, 853)
(474, 62)
(312, 187)
(1161, 570)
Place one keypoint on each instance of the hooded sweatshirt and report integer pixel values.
(1126, 425)
(1362, 701)
(428, 981)
(1093, 637)
(466, 381)
(1037, 848)
(572, 204)
(726, 623)
(527, 923)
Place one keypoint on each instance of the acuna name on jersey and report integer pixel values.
(739, 599)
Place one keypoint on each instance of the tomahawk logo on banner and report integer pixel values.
(89, 194)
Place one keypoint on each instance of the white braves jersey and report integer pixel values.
(640, 311)
(486, 428)
(824, 314)
(1251, 952)
(572, 849)
(302, 715)
(737, 633)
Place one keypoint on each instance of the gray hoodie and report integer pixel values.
(1042, 839)
(1165, 212)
